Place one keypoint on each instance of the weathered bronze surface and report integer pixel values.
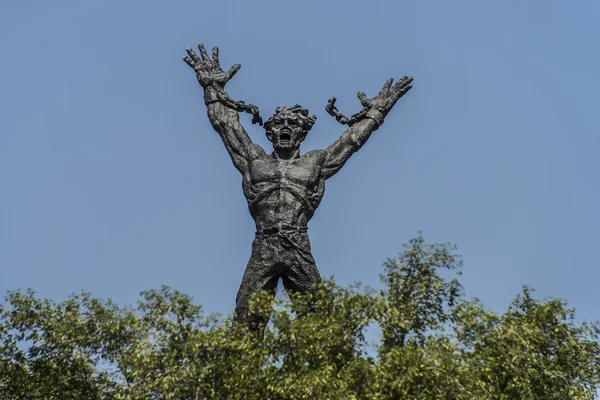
(284, 188)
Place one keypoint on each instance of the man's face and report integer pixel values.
(286, 132)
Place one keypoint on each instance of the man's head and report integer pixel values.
(288, 127)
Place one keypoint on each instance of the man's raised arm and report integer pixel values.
(222, 111)
(362, 124)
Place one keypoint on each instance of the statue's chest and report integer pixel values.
(300, 171)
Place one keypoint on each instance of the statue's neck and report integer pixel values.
(286, 154)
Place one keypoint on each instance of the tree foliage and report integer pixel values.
(435, 344)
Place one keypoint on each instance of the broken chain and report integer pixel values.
(341, 118)
(241, 106)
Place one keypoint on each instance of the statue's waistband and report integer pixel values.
(275, 229)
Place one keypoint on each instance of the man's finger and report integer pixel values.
(363, 99)
(387, 85)
(203, 53)
(193, 55)
(215, 59)
(401, 92)
(405, 80)
(406, 88)
(233, 71)
(189, 62)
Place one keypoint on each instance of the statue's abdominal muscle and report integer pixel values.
(282, 191)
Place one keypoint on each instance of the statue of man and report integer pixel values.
(284, 188)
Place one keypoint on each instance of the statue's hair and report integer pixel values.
(306, 120)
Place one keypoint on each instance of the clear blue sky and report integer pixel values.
(113, 181)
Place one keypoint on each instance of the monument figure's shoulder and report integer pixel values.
(318, 154)
(257, 152)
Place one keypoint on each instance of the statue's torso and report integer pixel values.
(284, 192)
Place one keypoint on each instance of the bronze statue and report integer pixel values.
(284, 188)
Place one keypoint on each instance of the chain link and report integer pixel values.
(341, 118)
(241, 106)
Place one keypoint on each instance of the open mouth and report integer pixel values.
(285, 138)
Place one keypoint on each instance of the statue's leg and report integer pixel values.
(301, 277)
(302, 274)
(259, 275)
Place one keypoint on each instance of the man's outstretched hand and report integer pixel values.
(209, 72)
(375, 108)
(388, 96)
